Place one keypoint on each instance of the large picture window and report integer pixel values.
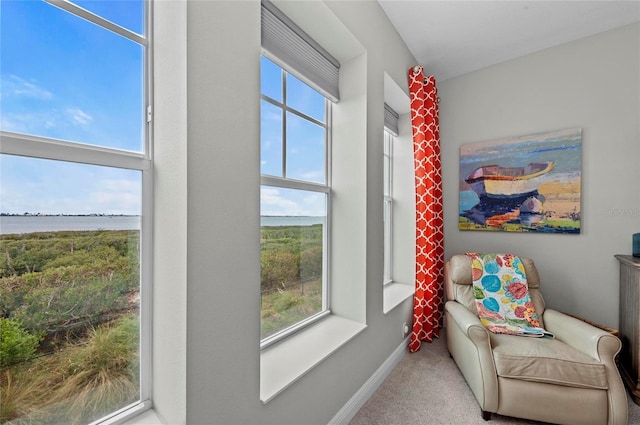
(294, 202)
(75, 211)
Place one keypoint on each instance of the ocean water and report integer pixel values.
(52, 223)
(287, 220)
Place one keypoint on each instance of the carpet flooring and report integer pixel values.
(427, 388)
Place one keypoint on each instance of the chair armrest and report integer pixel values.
(469, 343)
(597, 343)
(469, 324)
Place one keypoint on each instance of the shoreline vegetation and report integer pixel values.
(69, 315)
(291, 261)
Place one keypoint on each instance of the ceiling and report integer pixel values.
(451, 38)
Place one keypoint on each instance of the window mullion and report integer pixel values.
(293, 184)
(98, 20)
(306, 117)
(46, 148)
(284, 123)
(327, 144)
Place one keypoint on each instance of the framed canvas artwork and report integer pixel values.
(522, 184)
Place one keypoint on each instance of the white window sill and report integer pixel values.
(148, 417)
(284, 363)
(394, 294)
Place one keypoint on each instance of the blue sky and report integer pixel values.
(305, 144)
(66, 78)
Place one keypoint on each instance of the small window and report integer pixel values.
(388, 206)
(294, 202)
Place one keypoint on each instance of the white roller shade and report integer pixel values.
(391, 119)
(288, 45)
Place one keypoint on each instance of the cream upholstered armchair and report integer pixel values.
(569, 379)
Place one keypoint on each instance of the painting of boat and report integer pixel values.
(508, 182)
(522, 184)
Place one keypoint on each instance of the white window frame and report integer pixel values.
(39, 147)
(287, 183)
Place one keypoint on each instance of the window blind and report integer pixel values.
(288, 45)
(391, 119)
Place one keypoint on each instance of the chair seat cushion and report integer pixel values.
(546, 360)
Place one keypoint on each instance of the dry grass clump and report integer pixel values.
(78, 384)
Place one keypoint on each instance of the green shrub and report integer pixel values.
(311, 263)
(58, 281)
(279, 269)
(16, 344)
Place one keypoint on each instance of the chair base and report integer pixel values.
(486, 415)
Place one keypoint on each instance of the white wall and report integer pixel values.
(594, 84)
(207, 269)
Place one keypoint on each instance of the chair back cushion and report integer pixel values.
(459, 283)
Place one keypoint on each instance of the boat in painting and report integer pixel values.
(494, 181)
(507, 194)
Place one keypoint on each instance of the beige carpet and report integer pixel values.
(427, 388)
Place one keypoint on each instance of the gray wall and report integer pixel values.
(207, 268)
(594, 84)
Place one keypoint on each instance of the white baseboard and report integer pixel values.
(361, 396)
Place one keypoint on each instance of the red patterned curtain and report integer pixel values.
(428, 299)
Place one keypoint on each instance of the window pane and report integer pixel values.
(303, 98)
(387, 240)
(69, 290)
(388, 205)
(387, 164)
(305, 150)
(65, 78)
(270, 139)
(291, 246)
(387, 186)
(128, 14)
(270, 79)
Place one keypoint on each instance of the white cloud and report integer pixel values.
(12, 85)
(78, 116)
(117, 196)
(274, 201)
(60, 187)
(29, 122)
(313, 175)
(42, 122)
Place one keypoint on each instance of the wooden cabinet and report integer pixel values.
(630, 323)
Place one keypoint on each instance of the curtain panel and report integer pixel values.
(428, 300)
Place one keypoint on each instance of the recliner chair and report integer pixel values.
(569, 379)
